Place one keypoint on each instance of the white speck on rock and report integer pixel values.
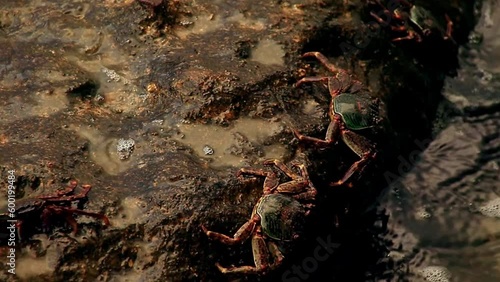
(125, 147)
(491, 208)
(208, 150)
(436, 274)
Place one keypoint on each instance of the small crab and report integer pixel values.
(278, 217)
(45, 207)
(415, 20)
(351, 110)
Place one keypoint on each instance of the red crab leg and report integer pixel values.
(91, 214)
(332, 132)
(71, 188)
(336, 84)
(311, 192)
(411, 35)
(358, 166)
(311, 79)
(276, 253)
(449, 27)
(293, 186)
(379, 19)
(399, 28)
(81, 195)
(281, 166)
(324, 61)
(300, 184)
(240, 236)
(271, 181)
(19, 225)
(67, 213)
(260, 257)
(71, 220)
(388, 12)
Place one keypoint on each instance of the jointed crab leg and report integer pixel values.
(281, 166)
(57, 204)
(70, 189)
(361, 146)
(63, 195)
(356, 167)
(296, 185)
(337, 128)
(311, 79)
(271, 180)
(324, 61)
(411, 35)
(300, 185)
(261, 254)
(404, 2)
(305, 175)
(399, 28)
(407, 22)
(68, 215)
(310, 192)
(449, 27)
(332, 131)
(261, 258)
(380, 20)
(335, 85)
(277, 255)
(271, 217)
(240, 236)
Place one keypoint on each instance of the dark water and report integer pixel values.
(445, 212)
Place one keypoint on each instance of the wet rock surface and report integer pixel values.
(177, 77)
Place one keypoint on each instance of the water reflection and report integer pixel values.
(450, 201)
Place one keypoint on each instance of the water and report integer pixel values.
(445, 212)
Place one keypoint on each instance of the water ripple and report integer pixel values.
(445, 211)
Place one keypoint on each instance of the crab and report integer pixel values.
(415, 20)
(351, 110)
(47, 206)
(277, 218)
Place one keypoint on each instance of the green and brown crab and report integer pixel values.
(415, 20)
(278, 217)
(351, 110)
